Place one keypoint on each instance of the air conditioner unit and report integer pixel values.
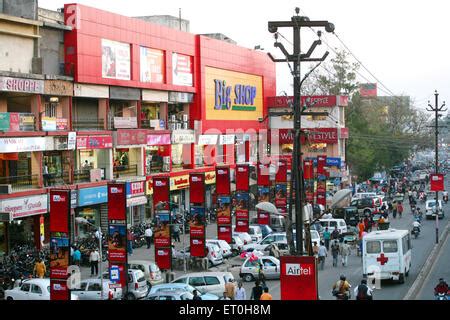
(185, 117)
(173, 118)
(185, 125)
(178, 126)
(5, 189)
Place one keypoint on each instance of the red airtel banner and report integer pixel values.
(59, 290)
(163, 257)
(437, 182)
(263, 176)
(117, 201)
(161, 190)
(308, 169)
(321, 198)
(321, 163)
(242, 177)
(197, 188)
(281, 175)
(223, 180)
(298, 278)
(59, 210)
(224, 233)
(263, 217)
(242, 225)
(197, 247)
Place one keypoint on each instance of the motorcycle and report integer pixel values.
(415, 231)
(445, 198)
(442, 296)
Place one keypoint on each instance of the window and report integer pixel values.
(25, 287)
(390, 246)
(185, 296)
(138, 267)
(268, 240)
(36, 289)
(181, 280)
(405, 244)
(268, 263)
(342, 224)
(82, 287)
(373, 246)
(280, 238)
(94, 287)
(211, 281)
(166, 298)
(333, 224)
(249, 264)
(197, 281)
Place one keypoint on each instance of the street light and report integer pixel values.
(82, 220)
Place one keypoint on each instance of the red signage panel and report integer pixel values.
(308, 169)
(263, 174)
(281, 175)
(223, 180)
(162, 235)
(94, 142)
(117, 201)
(242, 177)
(298, 278)
(437, 182)
(321, 199)
(197, 188)
(132, 137)
(242, 225)
(263, 217)
(163, 257)
(309, 101)
(59, 290)
(224, 233)
(59, 210)
(321, 163)
(161, 189)
(197, 247)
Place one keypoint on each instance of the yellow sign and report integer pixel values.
(210, 177)
(149, 190)
(233, 95)
(180, 182)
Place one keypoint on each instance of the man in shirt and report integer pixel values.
(229, 289)
(326, 238)
(148, 236)
(266, 295)
(240, 293)
(345, 252)
(77, 257)
(323, 253)
(335, 252)
(335, 234)
(40, 269)
(94, 257)
(363, 292)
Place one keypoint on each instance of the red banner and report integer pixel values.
(59, 210)
(196, 231)
(163, 258)
(197, 247)
(321, 163)
(117, 202)
(298, 278)
(263, 176)
(94, 142)
(281, 195)
(59, 290)
(308, 169)
(437, 182)
(368, 89)
(117, 242)
(281, 175)
(132, 137)
(59, 255)
(162, 235)
(310, 196)
(224, 233)
(197, 188)
(223, 180)
(321, 199)
(161, 189)
(242, 177)
(242, 225)
(309, 101)
(242, 214)
(263, 217)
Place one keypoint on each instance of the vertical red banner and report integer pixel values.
(308, 169)
(59, 290)
(263, 217)
(241, 205)
(197, 188)
(223, 180)
(117, 201)
(59, 210)
(161, 191)
(321, 163)
(242, 177)
(224, 233)
(223, 210)
(197, 247)
(263, 174)
(298, 278)
(281, 175)
(437, 182)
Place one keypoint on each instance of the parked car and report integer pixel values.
(265, 229)
(182, 287)
(315, 237)
(214, 254)
(261, 245)
(362, 195)
(237, 245)
(170, 295)
(90, 289)
(245, 237)
(277, 223)
(223, 245)
(137, 284)
(151, 271)
(282, 246)
(255, 232)
(430, 209)
(332, 223)
(366, 206)
(32, 289)
(211, 282)
(271, 268)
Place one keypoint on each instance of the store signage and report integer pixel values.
(437, 182)
(197, 188)
(8, 145)
(90, 196)
(181, 97)
(180, 182)
(330, 162)
(241, 97)
(182, 70)
(59, 210)
(135, 189)
(61, 124)
(91, 91)
(210, 177)
(314, 135)
(4, 121)
(21, 85)
(223, 180)
(209, 139)
(197, 247)
(115, 60)
(137, 201)
(263, 176)
(227, 139)
(24, 207)
(298, 278)
(183, 137)
(158, 139)
(152, 65)
(94, 142)
(281, 174)
(73, 199)
(131, 137)
(71, 140)
(242, 177)
(224, 233)
(117, 201)
(48, 124)
(313, 101)
(125, 122)
(58, 88)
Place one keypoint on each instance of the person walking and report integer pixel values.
(148, 236)
(266, 295)
(363, 292)
(230, 289)
(345, 252)
(400, 209)
(322, 254)
(394, 209)
(130, 238)
(240, 293)
(257, 291)
(39, 269)
(196, 295)
(326, 238)
(315, 249)
(94, 257)
(335, 252)
(335, 234)
(76, 257)
(176, 232)
(261, 275)
(224, 296)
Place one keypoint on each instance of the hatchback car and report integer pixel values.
(170, 295)
(430, 209)
(255, 232)
(270, 265)
(182, 287)
(90, 289)
(261, 245)
(223, 246)
(137, 284)
(245, 237)
(150, 269)
(32, 289)
(211, 282)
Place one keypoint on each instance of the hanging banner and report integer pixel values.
(281, 195)
(163, 258)
(59, 255)
(263, 194)
(242, 177)
(197, 223)
(437, 182)
(161, 191)
(298, 278)
(197, 247)
(223, 210)
(162, 235)
(197, 188)
(223, 180)
(308, 169)
(242, 225)
(321, 163)
(263, 176)
(117, 242)
(241, 204)
(162, 232)
(263, 217)
(59, 290)
(321, 199)
(281, 175)
(117, 203)
(59, 210)
(224, 233)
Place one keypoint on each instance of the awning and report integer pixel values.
(137, 201)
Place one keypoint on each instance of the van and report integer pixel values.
(349, 214)
(277, 223)
(387, 254)
(206, 282)
(362, 195)
(332, 223)
(366, 206)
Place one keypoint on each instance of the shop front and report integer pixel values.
(179, 193)
(27, 214)
(124, 104)
(136, 201)
(210, 188)
(93, 158)
(178, 110)
(91, 203)
(182, 149)
(55, 112)
(154, 110)
(158, 153)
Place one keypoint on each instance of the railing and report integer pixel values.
(20, 183)
(145, 124)
(125, 171)
(56, 179)
(86, 124)
(84, 175)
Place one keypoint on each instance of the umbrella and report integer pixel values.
(267, 207)
(339, 196)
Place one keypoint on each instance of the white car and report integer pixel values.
(315, 237)
(245, 237)
(255, 232)
(32, 289)
(223, 245)
(261, 245)
(430, 209)
(237, 245)
(271, 268)
(90, 289)
(211, 282)
(182, 287)
(151, 270)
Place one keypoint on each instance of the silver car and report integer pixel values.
(170, 295)
(270, 265)
(182, 287)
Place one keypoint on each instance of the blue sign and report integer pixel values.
(90, 196)
(331, 162)
(114, 274)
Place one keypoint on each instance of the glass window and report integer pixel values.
(390, 246)
(268, 263)
(36, 289)
(373, 246)
(25, 287)
(268, 240)
(82, 287)
(185, 296)
(166, 298)
(197, 281)
(333, 224)
(211, 281)
(181, 280)
(94, 287)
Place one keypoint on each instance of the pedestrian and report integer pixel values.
(196, 295)
(345, 252)
(363, 292)
(257, 291)
(315, 249)
(394, 209)
(148, 236)
(341, 289)
(94, 257)
(130, 238)
(274, 251)
(400, 209)
(240, 293)
(39, 269)
(360, 228)
(230, 289)
(76, 257)
(366, 224)
(326, 237)
(335, 252)
(266, 295)
(45, 174)
(261, 275)
(322, 254)
(224, 296)
(335, 234)
(176, 232)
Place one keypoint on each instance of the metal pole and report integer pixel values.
(436, 161)
(100, 237)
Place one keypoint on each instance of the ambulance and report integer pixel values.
(387, 254)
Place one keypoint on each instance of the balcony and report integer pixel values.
(88, 125)
(125, 171)
(89, 175)
(57, 179)
(17, 122)
(123, 123)
(155, 124)
(21, 183)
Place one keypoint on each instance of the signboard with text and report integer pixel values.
(298, 278)
(437, 182)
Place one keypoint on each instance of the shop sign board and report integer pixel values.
(210, 177)
(152, 65)
(8, 145)
(94, 142)
(24, 207)
(158, 139)
(21, 85)
(180, 182)
(135, 188)
(136, 201)
(183, 137)
(48, 124)
(209, 139)
(115, 60)
(313, 101)
(4, 121)
(71, 140)
(91, 196)
(131, 137)
(182, 70)
(58, 88)
(125, 122)
(298, 278)
(181, 97)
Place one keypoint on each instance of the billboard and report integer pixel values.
(59, 210)
(242, 177)
(223, 210)
(182, 70)
(281, 175)
(162, 235)
(163, 257)
(368, 89)
(115, 60)
(223, 180)
(298, 278)
(437, 182)
(197, 247)
(117, 242)
(152, 65)
(281, 195)
(224, 233)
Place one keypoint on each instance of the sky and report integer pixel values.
(403, 43)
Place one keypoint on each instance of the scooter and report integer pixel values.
(442, 296)
(415, 231)
(445, 198)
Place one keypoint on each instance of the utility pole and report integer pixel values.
(296, 23)
(436, 111)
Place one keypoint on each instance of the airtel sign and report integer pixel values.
(298, 278)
